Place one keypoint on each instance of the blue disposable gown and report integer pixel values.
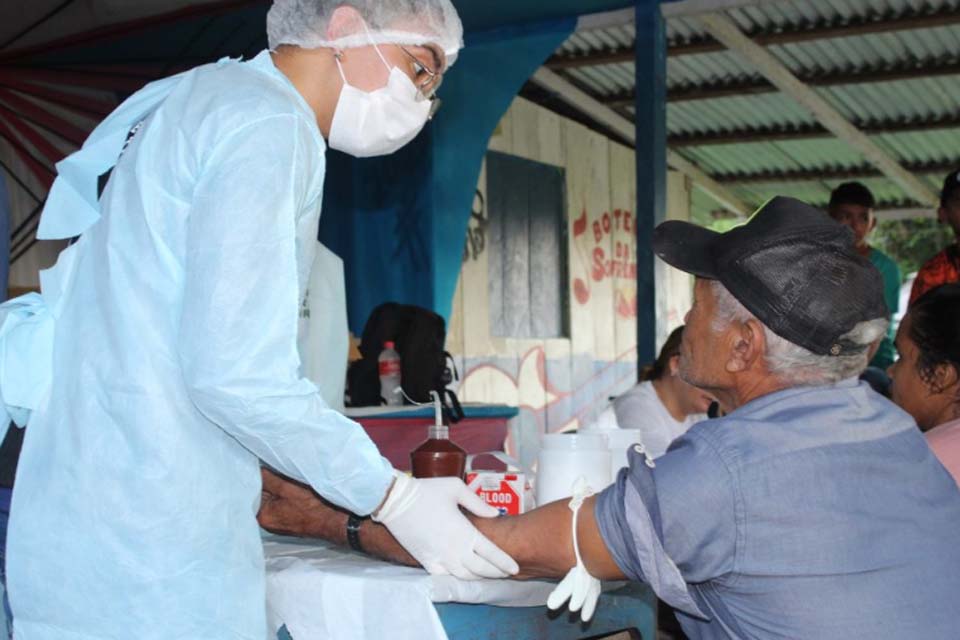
(167, 340)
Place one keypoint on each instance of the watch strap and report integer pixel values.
(353, 532)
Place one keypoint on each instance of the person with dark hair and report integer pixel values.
(662, 406)
(852, 204)
(926, 378)
(945, 266)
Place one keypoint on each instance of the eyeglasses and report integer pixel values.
(427, 81)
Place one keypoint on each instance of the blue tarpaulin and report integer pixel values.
(399, 222)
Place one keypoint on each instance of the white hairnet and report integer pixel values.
(412, 22)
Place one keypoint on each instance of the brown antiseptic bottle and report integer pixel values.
(438, 456)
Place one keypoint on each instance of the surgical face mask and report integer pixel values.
(378, 122)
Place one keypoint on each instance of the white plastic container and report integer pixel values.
(620, 441)
(564, 457)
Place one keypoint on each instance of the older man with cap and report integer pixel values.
(814, 508)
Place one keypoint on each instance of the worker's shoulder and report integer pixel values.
(232, 95)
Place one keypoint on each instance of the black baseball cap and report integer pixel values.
(951, 187)
(791, 266)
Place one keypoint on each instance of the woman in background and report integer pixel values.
(662, 406)
(926, 377)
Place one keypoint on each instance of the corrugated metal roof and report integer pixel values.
(808, 60)
(916, 99)
(705, 68)
(606, 80)
(786, 14)
(902, 100)
(942, 145)
(905, 100)
(725, 114)
(599, 39)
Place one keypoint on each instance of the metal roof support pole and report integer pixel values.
(651, 153)
(726, 31)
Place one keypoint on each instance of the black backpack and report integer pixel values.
(419, 336)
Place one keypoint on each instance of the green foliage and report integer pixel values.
(911, 242)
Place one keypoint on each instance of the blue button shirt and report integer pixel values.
(814, 512)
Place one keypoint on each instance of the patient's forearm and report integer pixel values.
(541, 543)
(290, 508)
(374, 538)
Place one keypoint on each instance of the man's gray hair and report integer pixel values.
(792, 363)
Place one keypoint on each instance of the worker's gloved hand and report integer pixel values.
(424, 516)
(581, 588)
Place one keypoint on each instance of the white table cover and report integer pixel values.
(324, 592)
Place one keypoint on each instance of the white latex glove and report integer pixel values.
(581, 588)
(424, 516)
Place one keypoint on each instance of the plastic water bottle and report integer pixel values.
(389, 366)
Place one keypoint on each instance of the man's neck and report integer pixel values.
(863, 249)
(747, 389)
(314, 75)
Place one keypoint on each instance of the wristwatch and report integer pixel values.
(353, 532)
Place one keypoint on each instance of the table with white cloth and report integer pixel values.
(316, 591)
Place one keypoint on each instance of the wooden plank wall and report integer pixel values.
(561, 383)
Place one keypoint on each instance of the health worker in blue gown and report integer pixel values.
(159, 367)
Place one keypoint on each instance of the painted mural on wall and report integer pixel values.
(592, 241)
(545, 407)
(476, 241)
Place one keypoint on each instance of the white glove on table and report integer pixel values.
(424, 516)
(581, 588)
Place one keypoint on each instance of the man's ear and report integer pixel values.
(873, 222)
(345, 21)
(749, 345)
(942, 215)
